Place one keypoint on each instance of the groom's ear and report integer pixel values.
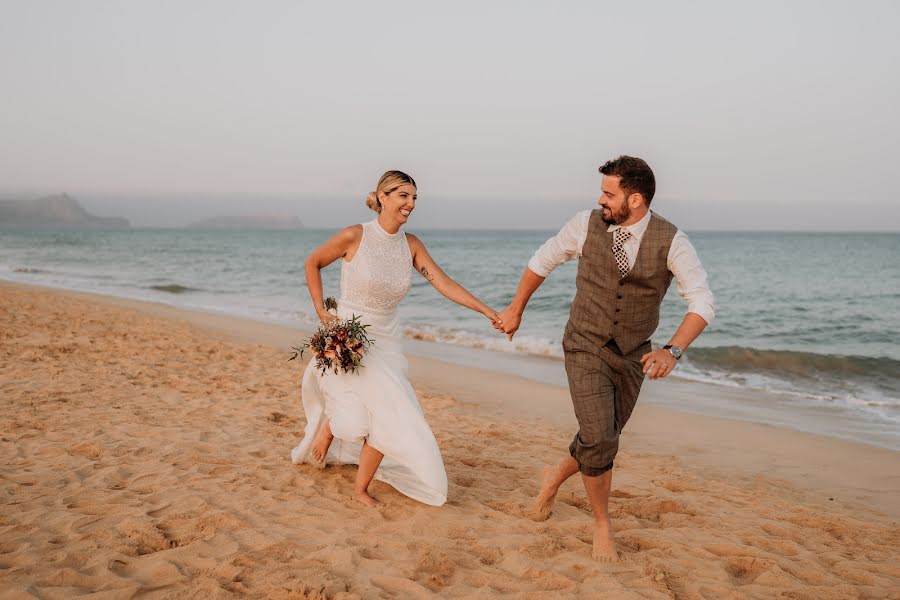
(635, 200)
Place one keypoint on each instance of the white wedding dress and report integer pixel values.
(377, 403)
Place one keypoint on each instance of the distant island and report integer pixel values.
(249, 222)
(60, 210)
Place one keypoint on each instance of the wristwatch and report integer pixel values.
(673, 350)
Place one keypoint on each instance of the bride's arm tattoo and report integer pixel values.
(428, 276)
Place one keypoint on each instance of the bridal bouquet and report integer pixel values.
(338, 345)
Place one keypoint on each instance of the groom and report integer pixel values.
(628, 256)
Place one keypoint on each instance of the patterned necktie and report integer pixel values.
(619, 237)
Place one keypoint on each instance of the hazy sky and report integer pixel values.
(763, 115)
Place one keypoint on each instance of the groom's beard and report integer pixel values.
(616, 218)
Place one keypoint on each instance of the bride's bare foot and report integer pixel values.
(366, 499)
(322, 442)
(543, 504)
(604, 550)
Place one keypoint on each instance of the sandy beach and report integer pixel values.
(146, 454)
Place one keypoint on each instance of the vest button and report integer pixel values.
(621, 283)
(615, 322)
(618, 309)
(619, 296)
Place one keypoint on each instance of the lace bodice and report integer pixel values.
(380, 274)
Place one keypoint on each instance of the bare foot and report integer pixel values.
(366, 499)
(543, 504)
(321, 442)
(604, 550)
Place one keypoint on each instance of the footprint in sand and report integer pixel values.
(487, 555)
(277, 417)
(403, 588)
(462, 534)
(623, 494)
(373, 553)
(92, 506)
(512, 509)
(140, 538)
(547, 581)
(572, 499)
(674, 485)
(434, 567)
(780, 547)
(140, 478)
(464, 480)
(783, 533)
(653, 510)
(118, 479)
(546, 548)
(745, 569)
(87, 449)
(8, 547)
(155, 575)
(643, 542)
(726, 550)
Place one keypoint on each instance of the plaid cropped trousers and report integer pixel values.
(604, 386)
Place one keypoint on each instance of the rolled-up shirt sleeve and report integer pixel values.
(691, 280)
(564, 246)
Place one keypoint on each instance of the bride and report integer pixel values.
(372, 417)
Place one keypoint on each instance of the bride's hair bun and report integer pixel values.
(373, 203)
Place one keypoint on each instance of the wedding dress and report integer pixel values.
(377, 403)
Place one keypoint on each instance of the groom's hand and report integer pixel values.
(509, 320)
(658, 363)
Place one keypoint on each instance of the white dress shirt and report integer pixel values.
(690, 277)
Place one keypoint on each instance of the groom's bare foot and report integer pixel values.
(366, 499)
(543, 504)
(604, 549)
(322, 442)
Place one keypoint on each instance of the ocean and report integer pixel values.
(813, 317)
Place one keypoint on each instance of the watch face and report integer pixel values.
(676, 351)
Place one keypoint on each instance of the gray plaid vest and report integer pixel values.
(607, 306)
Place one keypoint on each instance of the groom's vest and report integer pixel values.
(610, 307)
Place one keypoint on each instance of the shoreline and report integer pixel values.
(783, 410)
(809, 459)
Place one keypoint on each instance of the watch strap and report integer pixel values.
(669, 348)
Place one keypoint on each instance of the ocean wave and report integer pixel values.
(792, 364)
(174, 288)
(871, 385)
(521, 344)
(734, 364)
(858, 383)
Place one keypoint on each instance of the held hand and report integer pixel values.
(508, 321)
(658, 363)
(493, 315)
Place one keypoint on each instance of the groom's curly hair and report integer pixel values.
(635, 176)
